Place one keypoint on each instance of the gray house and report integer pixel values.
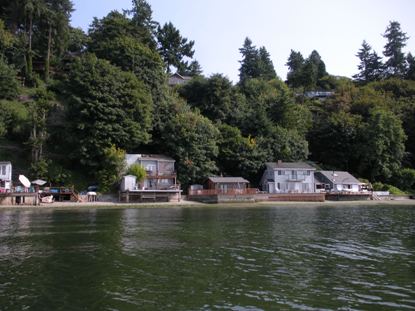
(288, 177)
(337, 181)
(161, 174)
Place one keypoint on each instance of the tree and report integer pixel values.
(295, 65)
(173, 48)
(56, 14)
(285, 144)
(9, 84)
(213, 96)
(106, 107)
(191, 139)
(370, 65)
(39, 109)
(112, 168)
(384, 146)
(266, 67)
(192, 70)
(336, 140)
(410, 61)
(238, 155)
(249, 62)
(396, 41)
(142, 18)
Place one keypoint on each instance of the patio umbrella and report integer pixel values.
(39, 182)
(25, 182)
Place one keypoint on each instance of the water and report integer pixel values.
(343, 258)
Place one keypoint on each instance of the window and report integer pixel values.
(279, 172)
(3, 170)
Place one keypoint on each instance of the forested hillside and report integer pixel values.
(72, 103)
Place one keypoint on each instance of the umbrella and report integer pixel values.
(25, 182)
(39, 182)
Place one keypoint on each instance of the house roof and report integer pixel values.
(340, 177)
(231, 180)
(292, 165)
(5, 162)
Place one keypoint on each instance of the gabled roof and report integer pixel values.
(291, 165)
(340, 177)
(231, 180)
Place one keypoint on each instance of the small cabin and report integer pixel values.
(226, 184)
(5, 176)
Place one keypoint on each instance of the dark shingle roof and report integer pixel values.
(228, 180)
(340, 177)
(293, 165)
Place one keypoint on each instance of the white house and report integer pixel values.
(288, 177)
(338, 181)
(5, 176)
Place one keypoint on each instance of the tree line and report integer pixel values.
(78, 101)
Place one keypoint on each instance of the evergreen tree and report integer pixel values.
(172, 47)
(249, 63)
(410, 73)
(395, 65)
(370, 65)
(192, 70)
(266, 67)
(142, 17)
(318, 63)
(295, 65)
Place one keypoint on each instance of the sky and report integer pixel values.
(335, 28)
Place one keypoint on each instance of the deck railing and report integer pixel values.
(246, 191)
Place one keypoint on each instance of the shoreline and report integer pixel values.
(192, 204)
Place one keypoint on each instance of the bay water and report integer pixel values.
(209, 258)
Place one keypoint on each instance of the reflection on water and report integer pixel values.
(351, 258)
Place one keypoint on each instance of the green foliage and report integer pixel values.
(13, 119)
(307, 73)
(9, 86)
(238, 155)
(39, 169)
(173, 48)
(405, 179)
(370, 65)
(396, 40)
(384, 145)
(255, 64)
(284, 144)
(192, 140)
(138, 171)
(112, 168)
(378, 186)
(106, 106)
